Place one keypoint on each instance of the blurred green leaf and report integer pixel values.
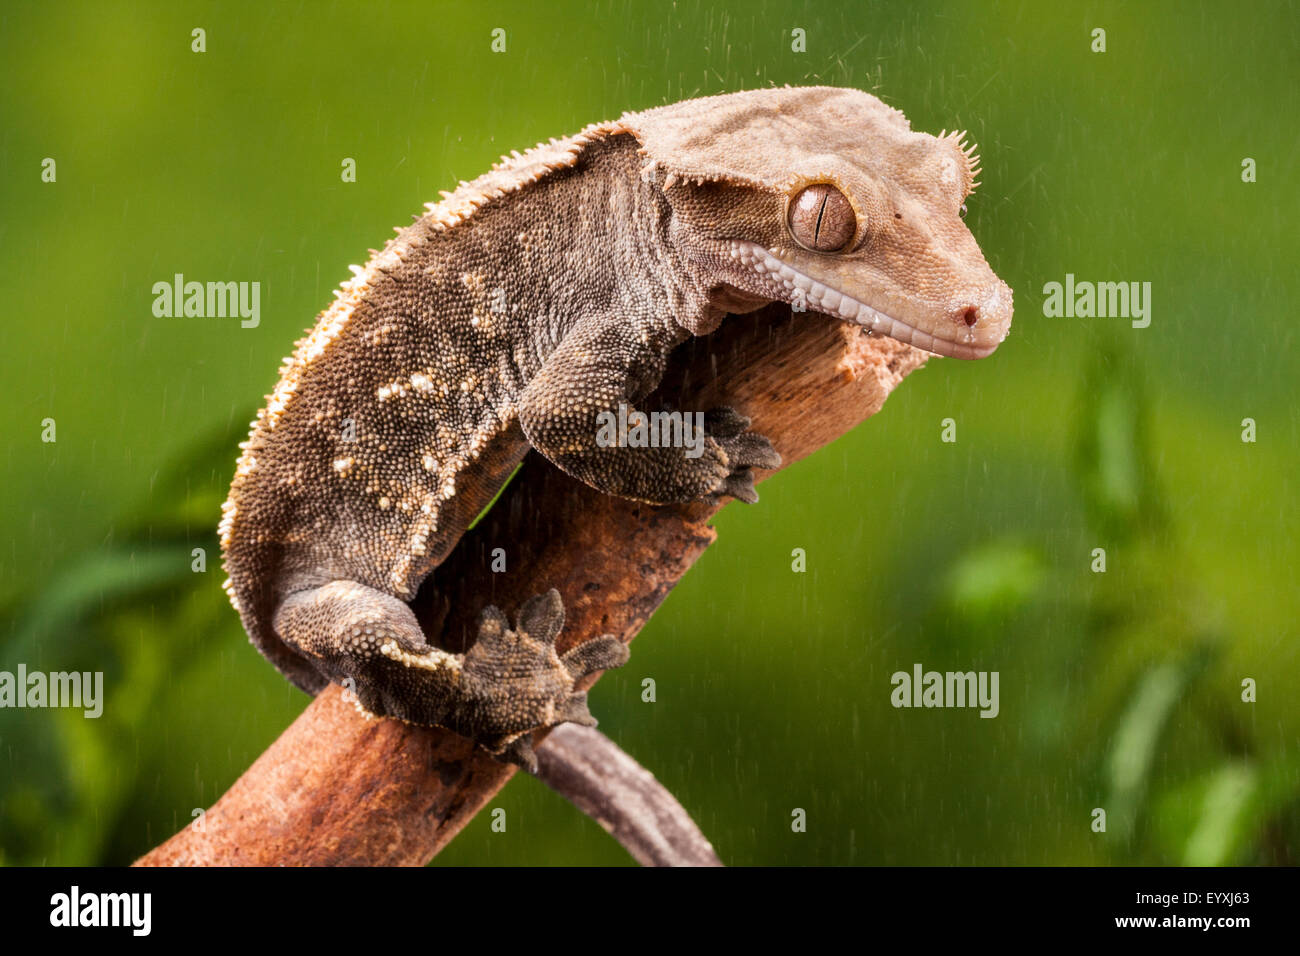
(1114, 454)
(1219, 818)
(1136, 743)
(994, 579)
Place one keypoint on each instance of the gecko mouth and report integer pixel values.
(829, 301)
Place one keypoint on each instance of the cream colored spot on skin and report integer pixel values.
(228, 512)
(511, 175)
(429, 463)
(431, 660)
(384, 503)
(392, 390)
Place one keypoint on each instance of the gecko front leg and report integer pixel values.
(603, 364)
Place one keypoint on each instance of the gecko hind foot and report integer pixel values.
(519, 683)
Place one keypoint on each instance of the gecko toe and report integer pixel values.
(597, 654)
(520, 753)
(750, 450)
(724, 422)
(574, 710)
(743, 453)
(542, 617)
(740, 485)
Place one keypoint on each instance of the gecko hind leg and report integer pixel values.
(509, 683)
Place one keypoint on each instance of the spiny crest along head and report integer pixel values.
(826, 198)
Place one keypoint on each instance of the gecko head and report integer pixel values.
(826, 199)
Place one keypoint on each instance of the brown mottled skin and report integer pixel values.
(525, 303)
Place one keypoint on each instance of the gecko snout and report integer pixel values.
(982, 320)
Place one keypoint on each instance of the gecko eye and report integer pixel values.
(821, 218)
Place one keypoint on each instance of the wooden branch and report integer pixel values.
(341, 788)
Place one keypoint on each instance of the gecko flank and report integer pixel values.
(523, 307)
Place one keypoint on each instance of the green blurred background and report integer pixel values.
(1119, 690)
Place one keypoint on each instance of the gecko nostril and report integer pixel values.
(970, 316)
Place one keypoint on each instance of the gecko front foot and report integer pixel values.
(516, 681)
(742, 451)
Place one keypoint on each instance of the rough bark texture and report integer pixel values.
(341, 788)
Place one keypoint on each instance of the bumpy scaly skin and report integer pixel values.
(545, 292)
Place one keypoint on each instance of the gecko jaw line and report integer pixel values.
(823, 298)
